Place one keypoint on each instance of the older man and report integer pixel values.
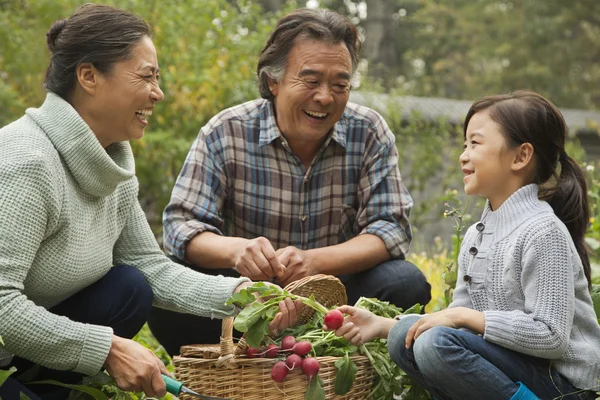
(297, 183)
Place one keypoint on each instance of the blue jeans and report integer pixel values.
(121, 299)
(396, 281)
(455, 364)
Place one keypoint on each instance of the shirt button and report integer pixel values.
(304, 218)
(480, 227)
(473, 251)
(467, 278)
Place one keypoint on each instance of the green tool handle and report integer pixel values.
(173, 385)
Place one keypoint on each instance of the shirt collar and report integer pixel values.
(515, 210)
(269, 131)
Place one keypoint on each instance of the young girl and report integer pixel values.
(521, 324)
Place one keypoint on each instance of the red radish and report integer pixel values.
(294, 361)
(272, 351)
(288, 343)
(310, 367)
(334, 319)
(302, 348)
(279, 371)
(253, 352)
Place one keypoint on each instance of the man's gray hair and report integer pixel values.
(304, 23)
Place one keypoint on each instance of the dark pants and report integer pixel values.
(396, 281)
(122, 299)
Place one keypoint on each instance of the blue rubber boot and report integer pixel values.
(524, 393)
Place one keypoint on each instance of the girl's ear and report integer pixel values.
(523, 157)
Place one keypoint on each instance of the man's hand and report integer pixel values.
(298, 264)
(135, 368)
(257, 260)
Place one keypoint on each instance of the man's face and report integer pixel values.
(314, 90)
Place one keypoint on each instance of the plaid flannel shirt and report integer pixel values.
(241, 179)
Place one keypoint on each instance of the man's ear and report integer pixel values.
(87, 76)
(273, 86)
(523, 157)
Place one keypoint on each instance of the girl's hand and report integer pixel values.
(361, 326)
(459, 317)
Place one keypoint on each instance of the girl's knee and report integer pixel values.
(432, 346)
(397, 338)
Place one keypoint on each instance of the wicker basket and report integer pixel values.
(224, 370)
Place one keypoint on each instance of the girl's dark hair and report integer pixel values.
(304, 23)
(95, 33)
(527, 117)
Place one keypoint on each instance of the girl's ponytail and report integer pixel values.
(570, 203)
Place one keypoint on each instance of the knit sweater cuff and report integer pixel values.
(96, 346)
(498, 328)
(224, 288)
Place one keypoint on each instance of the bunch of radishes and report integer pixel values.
(295, 351)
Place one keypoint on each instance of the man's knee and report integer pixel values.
(403, 284)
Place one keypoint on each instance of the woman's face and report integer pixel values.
(125, 97)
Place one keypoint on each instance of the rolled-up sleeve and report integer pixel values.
(385, 203)
(197, 197)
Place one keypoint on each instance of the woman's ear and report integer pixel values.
(523, 157)
(87, 76)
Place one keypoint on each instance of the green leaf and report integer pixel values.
(257, 332)
(345, 375)
(596, 301)
(315, 389)
(4, 374)
(242, 298)
(416, 309)
(248, 317)
(95, 393)
(23, 396)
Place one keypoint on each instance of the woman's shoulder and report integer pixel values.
(24, 143)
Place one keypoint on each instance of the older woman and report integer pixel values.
(79, 265)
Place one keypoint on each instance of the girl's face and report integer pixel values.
(486, 161)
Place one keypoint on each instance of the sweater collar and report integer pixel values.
(520, 206)
(97, 171)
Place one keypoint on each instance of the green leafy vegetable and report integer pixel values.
(345, 375)
(315, 389)
(95, 393)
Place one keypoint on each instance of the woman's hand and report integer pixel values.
(361, 326)
(135, 368)
(287, 315)
(458, 317)
(288, 309)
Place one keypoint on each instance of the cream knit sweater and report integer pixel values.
(519, 266)
(68, 213)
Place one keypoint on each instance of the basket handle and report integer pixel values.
(227, 357)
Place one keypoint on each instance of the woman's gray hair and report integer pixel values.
(96, 34)
(304, 23)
